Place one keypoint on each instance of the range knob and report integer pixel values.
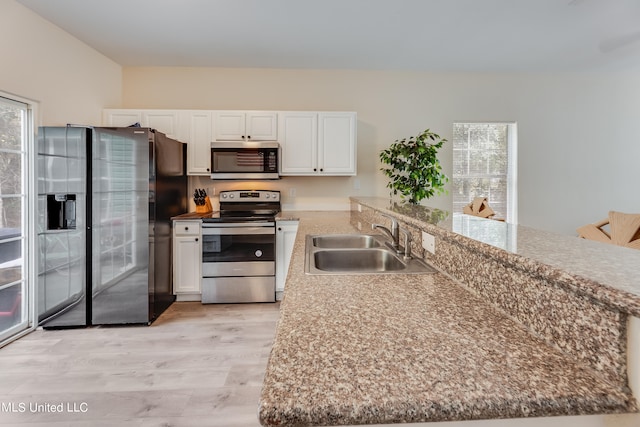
(258, 253)
(267, 196)
(224, 195)
(231, 196)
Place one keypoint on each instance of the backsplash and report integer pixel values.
(297, 193)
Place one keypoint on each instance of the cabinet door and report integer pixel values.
(186, 264)
(121, 118)
(337, 143)
(285, 238)
(261, 126)
(199, 145)
(165, 121)
(229, 126)
(299, 143)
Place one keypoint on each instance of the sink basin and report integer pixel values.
(345, 241)
(371, 260)
(357, 254)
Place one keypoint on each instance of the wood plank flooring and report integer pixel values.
(197, 365)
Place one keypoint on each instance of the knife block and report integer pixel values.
(206, 208)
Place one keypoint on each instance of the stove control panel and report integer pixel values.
(250, 196)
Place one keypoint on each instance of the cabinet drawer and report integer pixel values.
(187, 228)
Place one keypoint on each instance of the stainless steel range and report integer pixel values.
(238, 248)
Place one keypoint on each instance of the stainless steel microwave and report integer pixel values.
(245, 160)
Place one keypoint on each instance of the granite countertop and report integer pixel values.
(366, 349)
(611, 275)
(191, 216)
(282, 216)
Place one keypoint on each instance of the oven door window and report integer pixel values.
(237, 245)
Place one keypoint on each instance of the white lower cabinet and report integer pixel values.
(187, 255)
(285, 237)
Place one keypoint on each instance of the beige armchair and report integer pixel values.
(624, 230)
(479, 207)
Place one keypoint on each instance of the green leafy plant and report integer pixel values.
(414, 169)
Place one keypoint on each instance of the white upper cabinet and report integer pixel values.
(312, 142)
(165, 121)
(121, 118)
(317, 143)
(337, 143)
(298, 142)
(198, 130)
(245, 126)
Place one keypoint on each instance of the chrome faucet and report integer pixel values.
(394, 233)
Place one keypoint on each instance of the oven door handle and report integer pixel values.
(214, 231)
(238, 224)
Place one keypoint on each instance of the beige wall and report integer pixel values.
(577, 132)
(578, 136)
(71, 81)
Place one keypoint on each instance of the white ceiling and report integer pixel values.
(434, 35)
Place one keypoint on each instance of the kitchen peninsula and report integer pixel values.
(499, 332)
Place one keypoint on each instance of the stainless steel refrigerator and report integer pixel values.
(105, 201)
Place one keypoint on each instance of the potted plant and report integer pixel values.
(414, 169)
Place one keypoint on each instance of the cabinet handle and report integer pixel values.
(208, 170)
(186, 229)
(196, 239)
(279, 228)
(315, 170)
(242, 136)
(249, 137)
(321, 170)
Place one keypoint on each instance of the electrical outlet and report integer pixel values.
(292, 192)
(359, 226)
(359, 207)
(356, 184)
(429, 242)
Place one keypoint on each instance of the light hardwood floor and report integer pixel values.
(197, 365)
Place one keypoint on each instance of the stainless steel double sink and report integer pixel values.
(357, 254)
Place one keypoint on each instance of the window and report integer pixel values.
(16, 134)
(484, 165)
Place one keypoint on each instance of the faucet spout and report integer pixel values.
(382, 228)
(393, 233)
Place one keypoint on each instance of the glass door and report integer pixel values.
(15, 234)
